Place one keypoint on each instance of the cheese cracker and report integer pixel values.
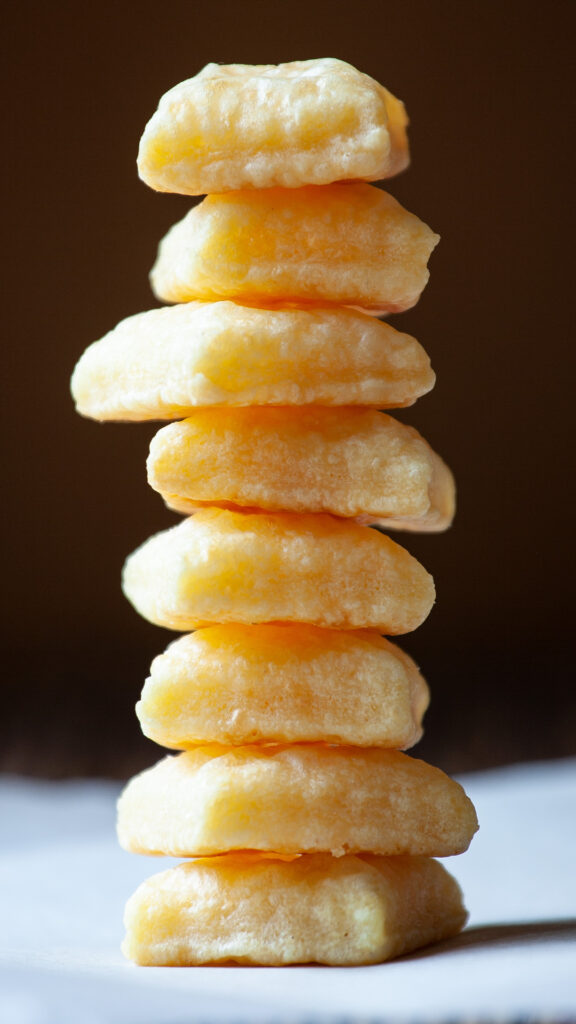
(303, 123)
(220, 566)
(294, 799)
(351, 245)
(164, 363)
(238, 684)
(349, 462)
(315, 908)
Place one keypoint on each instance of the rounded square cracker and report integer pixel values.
(282, 684)
(355, 463)
(165, 363)
(350, 245)
(294, 799)
(220, 566)
(303, 123)
(315, 908)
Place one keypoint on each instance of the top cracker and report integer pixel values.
(240, 126)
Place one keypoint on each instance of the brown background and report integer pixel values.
(488, 88)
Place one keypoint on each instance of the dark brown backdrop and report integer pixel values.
(488, 87)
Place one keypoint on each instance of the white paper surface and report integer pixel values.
(64, 882)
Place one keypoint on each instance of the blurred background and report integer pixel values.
(489, 90)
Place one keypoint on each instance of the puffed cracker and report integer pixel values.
(220, 566)
(238, 684)
(356, 463)
(165, 363)
(239, 126)
(352, 245)
(294, 799)
(315, 908)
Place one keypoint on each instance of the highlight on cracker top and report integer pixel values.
(308, 122)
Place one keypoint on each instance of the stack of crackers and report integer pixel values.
(309, 836)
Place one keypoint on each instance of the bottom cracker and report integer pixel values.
(250, 909)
